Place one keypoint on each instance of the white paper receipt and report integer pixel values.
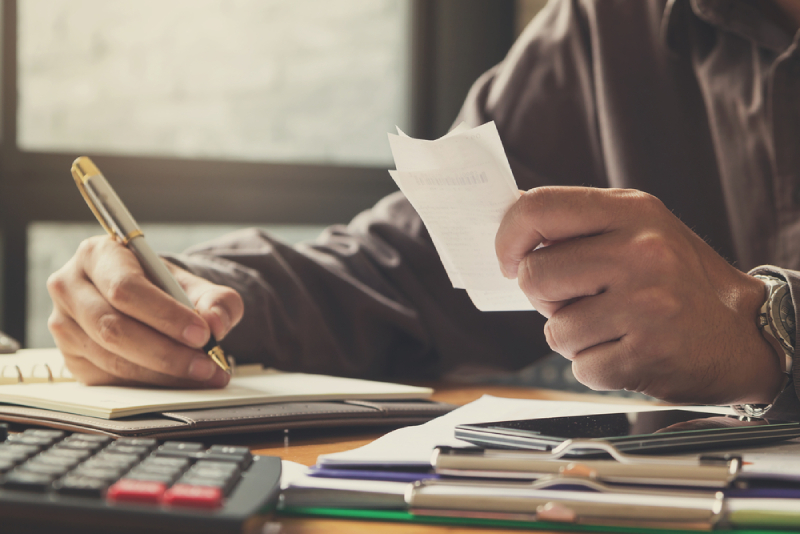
(461, 185)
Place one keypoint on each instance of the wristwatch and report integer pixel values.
(776, 321)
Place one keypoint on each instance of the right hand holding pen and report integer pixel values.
(114, 326)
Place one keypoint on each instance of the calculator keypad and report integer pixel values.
(129, 470)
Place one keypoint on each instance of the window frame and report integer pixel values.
(36, 186)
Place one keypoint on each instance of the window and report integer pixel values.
(301, 81)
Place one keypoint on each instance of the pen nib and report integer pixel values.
(219, 358)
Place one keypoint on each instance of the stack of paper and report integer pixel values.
(368, 482)
(461, 185)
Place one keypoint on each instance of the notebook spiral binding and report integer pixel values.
(9, 371)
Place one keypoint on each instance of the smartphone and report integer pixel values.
(630, 432)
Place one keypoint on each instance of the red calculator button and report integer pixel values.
(194, 496)
(141, 491)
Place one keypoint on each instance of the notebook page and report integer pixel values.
(111, 402)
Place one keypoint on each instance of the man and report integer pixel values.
(692, 105)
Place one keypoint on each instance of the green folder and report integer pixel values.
(402, 516)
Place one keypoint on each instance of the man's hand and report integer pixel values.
(635, 299)
(115, 327)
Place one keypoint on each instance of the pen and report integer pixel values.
(120, 225)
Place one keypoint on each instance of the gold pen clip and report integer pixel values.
(82, 169)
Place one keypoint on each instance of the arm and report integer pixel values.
(367, 299)
(370, 299)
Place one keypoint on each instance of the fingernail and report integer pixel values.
(224, 318)
(202, 368)
(219, 380)
(195, 335)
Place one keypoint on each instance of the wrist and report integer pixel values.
(757, 369)
(763, 372)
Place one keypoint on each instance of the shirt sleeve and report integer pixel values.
(369, 299)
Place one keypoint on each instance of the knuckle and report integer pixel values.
(122, 288)
(644, 200)
(526, 278)
(56, 285)
(547, 309)
(87, 246)
(541, 196)
(656, 251)
(537, 276)
(110, 328)
(583, 375)
(536, 199)
(165, 363)
(552, 337)
(613, 373)
(592, 380)
(166, 325)
(658, 302)
(650, 202)
(57, 324)
(233, 303)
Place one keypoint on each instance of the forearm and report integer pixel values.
(369, 299)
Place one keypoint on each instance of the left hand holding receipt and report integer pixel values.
(115, 326)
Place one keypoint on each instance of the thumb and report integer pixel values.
(220, 306)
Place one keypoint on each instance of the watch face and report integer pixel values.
(786, 311)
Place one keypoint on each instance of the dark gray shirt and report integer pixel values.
(696, 102)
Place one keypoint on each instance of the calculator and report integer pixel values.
(55, 481)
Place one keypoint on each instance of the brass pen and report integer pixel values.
(120, 225)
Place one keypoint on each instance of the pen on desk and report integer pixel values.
(120, 225)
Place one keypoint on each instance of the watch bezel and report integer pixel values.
(771, 323)
(776, 311)
(776, 323)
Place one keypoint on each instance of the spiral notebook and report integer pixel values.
(39, 379)
(33, 366)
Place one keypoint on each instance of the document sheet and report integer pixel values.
(461, 185)
(412, 446)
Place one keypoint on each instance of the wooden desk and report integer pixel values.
(304, 447)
